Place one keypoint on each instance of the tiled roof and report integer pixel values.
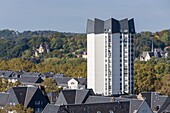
(114, 107)
(30, 80)
(3, 98)
(99, 99)
(62, 80)
(73, 96)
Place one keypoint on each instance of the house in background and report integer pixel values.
(146, 56)
(71, 83)
(157, 53)
(30, 81)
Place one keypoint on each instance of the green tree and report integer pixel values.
(17, 108)
(165, 89)
(50, 85)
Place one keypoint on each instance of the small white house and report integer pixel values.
(73, 84)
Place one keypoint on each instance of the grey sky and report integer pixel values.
(72, 15)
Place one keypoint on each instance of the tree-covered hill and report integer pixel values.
(16, 44)
(51, 51)
(55, 44)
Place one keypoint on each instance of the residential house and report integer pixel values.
(73, 96)
(31, 97)
(158, 53)
(30, 81)
(158, 103)
(71, 83)
(51, 75)
(77, 83)
(84, 101)
(8, 75)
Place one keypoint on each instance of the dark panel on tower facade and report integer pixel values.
(124, 25)
(131, 26)
(115, 26)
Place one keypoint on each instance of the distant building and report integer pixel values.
(71, 83)
(42, 48)
(157, 53)
(110, 60)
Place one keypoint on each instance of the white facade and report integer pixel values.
(110, 61)
(72, 84)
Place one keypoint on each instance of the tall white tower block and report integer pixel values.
(110, 60)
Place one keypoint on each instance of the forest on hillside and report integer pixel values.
(52, 51)
(16, 44)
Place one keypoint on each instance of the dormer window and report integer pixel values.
(37, 102)
(72, 83)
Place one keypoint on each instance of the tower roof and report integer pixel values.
(111, 25)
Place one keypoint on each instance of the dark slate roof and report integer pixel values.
(30, 93)
(47, 75)
(6, 74)
(116, 107)
(99, 26)
(81, 81)
(156, 101)
(73, 96)
(135, 104)
(3, 98)
(18, 72)
(99, 99)
(147, 97)
(30, 74)
(151, 54)
(82, 95)
(165, 106)
(59, 75)
(50, 108)
(31, 80)
(62, 80)
(51, 75)
(21, 95)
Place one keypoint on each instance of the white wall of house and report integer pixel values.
(72, 84)
(147, 57)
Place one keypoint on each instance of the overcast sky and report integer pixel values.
(72, 15)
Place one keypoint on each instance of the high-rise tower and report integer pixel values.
(110, 61)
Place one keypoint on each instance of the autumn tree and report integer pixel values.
(165, 89)
(50, 85)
